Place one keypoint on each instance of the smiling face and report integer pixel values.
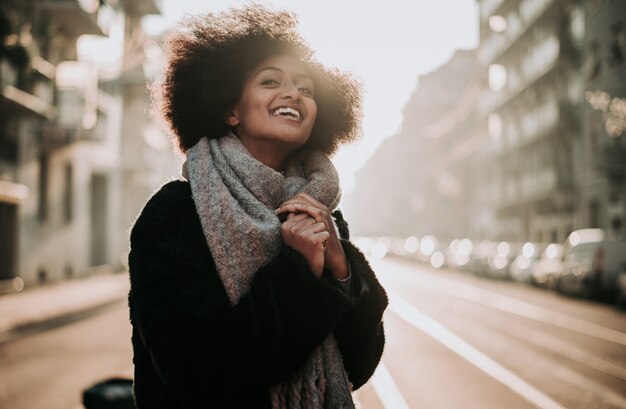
(277, 109)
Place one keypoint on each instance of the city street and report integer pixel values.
(50, 368)
(453, 341)
(513, 344)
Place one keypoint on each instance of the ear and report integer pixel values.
(232, 118)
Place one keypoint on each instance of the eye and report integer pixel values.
(306, 90)
(269, 81)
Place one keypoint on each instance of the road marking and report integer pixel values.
(560, 347)
(527, 310)
(466, 351)
(387, 390)
(524, 309)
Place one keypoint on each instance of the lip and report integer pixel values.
(295, 107)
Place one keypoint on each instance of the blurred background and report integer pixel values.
(490, 182)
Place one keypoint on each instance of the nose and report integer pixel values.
(290, 90)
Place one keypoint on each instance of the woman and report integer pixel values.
(243, 293)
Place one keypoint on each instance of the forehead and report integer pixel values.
(284, 63)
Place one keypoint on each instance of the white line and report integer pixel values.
(449, 339)
(527, 310)
(387, 390)
(558, 346)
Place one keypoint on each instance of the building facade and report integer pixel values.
(601, 157)
(530, 52)
(540, 151)
(417, 181)
(61, 141)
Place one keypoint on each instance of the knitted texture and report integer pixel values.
(235, 196)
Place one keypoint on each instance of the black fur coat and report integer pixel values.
(192, 349)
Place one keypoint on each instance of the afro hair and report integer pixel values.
(209, 58)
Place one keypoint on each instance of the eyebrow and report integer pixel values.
(301, 74)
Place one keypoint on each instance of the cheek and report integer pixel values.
(313, 111)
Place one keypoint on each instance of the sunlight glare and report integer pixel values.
(386, 44)
(497, 23)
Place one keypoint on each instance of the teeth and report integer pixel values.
(288, 111)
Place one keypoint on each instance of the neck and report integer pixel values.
(268, 154)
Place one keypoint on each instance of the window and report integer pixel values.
(497, 77)
(68, 195)
(8, 232)
(592, 64)
(497, 23)
(44, 166)
(617, 45)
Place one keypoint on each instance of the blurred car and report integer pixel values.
(457, 253)
(500, 262)
(521, 268)
(481, 251)
(428, 245)
(592, 264)
(546, 270)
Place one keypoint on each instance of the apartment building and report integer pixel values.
(61, 141)
(530, 51)
(420, 181)
(601, 154)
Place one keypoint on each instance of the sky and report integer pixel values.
(387, 44)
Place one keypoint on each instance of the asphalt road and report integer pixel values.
(48, 369)
(453, 341)
(458, 341)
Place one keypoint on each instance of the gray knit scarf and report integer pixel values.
(235, 197)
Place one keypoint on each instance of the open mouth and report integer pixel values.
(287, 112)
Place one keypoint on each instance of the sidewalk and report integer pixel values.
(41, 304)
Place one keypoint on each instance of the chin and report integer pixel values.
(292, 139)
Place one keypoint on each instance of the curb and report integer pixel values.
(59, 303)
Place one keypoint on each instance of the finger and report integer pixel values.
(321, 237)
(309, 229)
(311, 200)
(299, 226)
(297, 217)
(315, 212)
(302, 199)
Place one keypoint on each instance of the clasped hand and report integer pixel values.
(309, 229)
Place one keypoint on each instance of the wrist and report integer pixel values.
(339, 268)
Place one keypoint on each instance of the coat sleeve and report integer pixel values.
(359, 333)
(193, 336)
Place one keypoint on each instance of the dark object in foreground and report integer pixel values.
(114, 393)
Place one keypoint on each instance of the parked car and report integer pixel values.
(480, 253)
(428, 245)
(592, 264)
(500, 262)
(522, 266)
(457, 253)
(546, 270)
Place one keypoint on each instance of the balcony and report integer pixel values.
(518, 27)
(73, 17)
(32, 94)
(13, 193)
(15, 101)
(534, 68)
